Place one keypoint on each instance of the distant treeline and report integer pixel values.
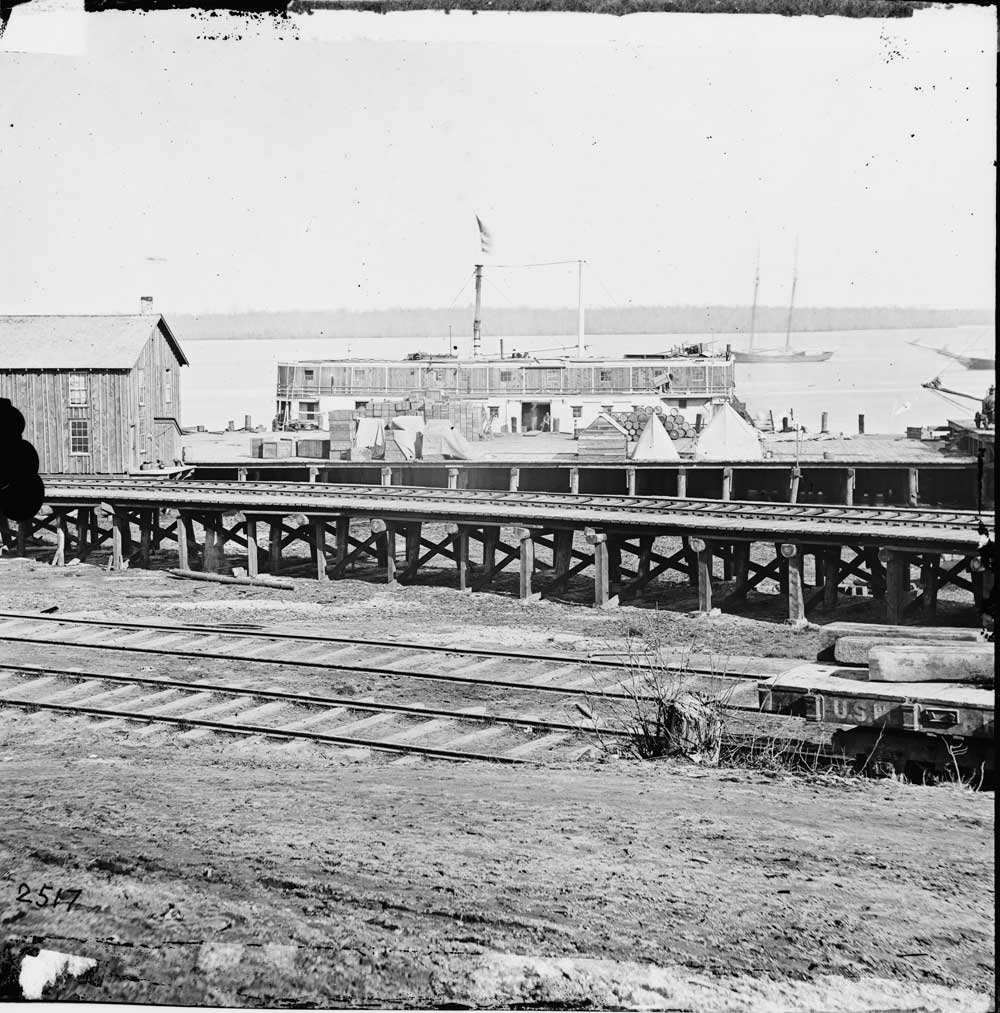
(519, 321)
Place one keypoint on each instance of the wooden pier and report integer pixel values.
(548, 537)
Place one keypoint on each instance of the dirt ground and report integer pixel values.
(248, 873)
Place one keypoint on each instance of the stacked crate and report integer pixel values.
(465, 415)
(605, 437)
(342, 426)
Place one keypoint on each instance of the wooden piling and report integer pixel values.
(913, 492)
(453, 478)
(210, 563)
(849, 478)
(274, 546)
(491, 535)
(682, 482)
(182, 541)
(602, 578)
(929, 580)
(562, 552)
(253, 562)
(703, 554)
(386, 476)
(414, 531)
(831, 576)
(574, 481)
(146, 520)
(741, 566)
(727, 483)
(343, 540)
(794, 479)
(59, 559)
(117, 539)
(319, 545)
(527, 560)
(897, 584)
(630, 480)
(23, 527)
(796, 601)
(515, 479)
(461, 543)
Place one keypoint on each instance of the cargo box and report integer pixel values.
(313, 448)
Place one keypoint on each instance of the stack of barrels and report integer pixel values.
(634, 422)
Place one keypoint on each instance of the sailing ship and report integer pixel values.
(787, 354)
(969, 361)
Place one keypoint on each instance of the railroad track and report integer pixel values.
(217, 705)
(415, 499)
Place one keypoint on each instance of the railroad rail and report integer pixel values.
(545, 674)
(213, 704)
(581, 533)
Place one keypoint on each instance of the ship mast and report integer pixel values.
(753, 309)
(791, 302)
(477, 322)
(579, 313)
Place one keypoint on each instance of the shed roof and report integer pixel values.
(79, 342)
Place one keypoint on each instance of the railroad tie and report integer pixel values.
(363, 724)
(552, 674)
(317, 718)
(536, 744)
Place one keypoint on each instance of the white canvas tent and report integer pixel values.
(728, 437)
(654, 444)
(407, 430)
(370, 436)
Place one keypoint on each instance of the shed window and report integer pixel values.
(310, 375)
(605, 376)
(77, 388)
(359, 374)
(577, 411)
(79, 436)
(506, 375)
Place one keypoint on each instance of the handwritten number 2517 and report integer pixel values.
(67, 897)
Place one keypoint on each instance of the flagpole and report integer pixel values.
(477, 322)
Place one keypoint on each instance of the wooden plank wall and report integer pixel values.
(159, 441)
(43, 398)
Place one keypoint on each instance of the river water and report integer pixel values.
(872, 373)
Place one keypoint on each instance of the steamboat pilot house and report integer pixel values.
(528, 394)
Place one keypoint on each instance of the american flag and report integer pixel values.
(485, 236)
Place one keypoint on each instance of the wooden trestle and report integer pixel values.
(550, 538)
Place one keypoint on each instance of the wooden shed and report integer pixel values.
(100, 394)
(604, 437)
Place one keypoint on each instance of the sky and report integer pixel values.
(339, 160)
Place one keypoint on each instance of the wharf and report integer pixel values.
(865, 469)
(551, 537)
